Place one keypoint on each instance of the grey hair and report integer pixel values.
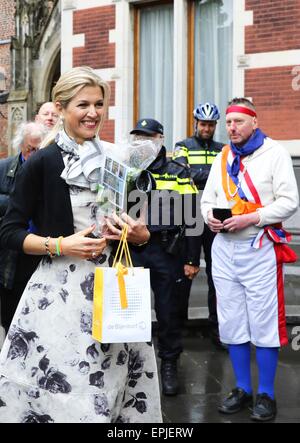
(29, 128)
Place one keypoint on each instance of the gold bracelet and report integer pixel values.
(142, 244)
(49, 253)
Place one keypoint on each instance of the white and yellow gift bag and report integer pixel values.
(122, 300)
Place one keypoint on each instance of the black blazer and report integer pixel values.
(40, 195)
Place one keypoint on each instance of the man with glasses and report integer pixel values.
(15, 268)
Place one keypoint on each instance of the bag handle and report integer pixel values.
(123, 250)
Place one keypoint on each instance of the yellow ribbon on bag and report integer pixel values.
(123, 250)
(98, 305)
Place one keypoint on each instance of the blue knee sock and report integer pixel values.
(267, 361)
(240, 356)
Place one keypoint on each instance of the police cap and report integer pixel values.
(148, 126)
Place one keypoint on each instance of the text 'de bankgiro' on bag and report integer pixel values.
(122, 300)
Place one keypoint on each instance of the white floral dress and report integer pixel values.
(51, 369)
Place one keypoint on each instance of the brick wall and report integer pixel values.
(95, 24)
(7, 29)
(278, 105)
(98, 52)
(276, 25)
(108, 131)
(7, 24)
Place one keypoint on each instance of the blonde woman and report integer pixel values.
(51, 369)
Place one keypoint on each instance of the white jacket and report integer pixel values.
(271, 171)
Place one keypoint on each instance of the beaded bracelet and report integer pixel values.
(49, 253)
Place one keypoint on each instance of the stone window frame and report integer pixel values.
(3, 79)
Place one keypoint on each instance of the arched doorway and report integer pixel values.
(49, 77)
(54, 75)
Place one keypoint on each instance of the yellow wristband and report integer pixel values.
(58, 246)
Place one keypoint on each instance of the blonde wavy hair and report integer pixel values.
(68, 85)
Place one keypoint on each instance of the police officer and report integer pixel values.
(162, 254)
(199, 152)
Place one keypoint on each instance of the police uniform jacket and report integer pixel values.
(200, 155)
(172, 177)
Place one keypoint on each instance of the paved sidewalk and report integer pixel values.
(206, 378)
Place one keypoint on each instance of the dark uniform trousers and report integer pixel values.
(183, 284)
(200, 155)
(207, 239)
(163, 270)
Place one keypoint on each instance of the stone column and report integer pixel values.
(17, 114)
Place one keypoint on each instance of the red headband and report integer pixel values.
(242, 110)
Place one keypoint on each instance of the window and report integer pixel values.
(211, 41)
(2, 80)
(153, 83)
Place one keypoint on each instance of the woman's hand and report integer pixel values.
(79, 245)
(214, 224)
(191, 271)
(239, 222)
(137, 230)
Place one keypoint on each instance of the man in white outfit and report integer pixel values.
(254, 177)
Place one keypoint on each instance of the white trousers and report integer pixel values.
(250, 293)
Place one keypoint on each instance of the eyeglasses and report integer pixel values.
(30, 148)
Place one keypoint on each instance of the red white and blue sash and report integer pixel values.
(243, 182)
(275, 233)
(241, 191)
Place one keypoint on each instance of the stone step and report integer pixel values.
(198, 296)
(201, 314)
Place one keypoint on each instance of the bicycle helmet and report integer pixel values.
(206, 111)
